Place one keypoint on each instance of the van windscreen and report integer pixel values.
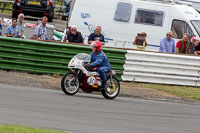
(196, 24)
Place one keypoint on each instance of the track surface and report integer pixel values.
(85, 113)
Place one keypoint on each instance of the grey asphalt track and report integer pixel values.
(87, 113)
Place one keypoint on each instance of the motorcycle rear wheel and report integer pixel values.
(70, 84)
(113, 91)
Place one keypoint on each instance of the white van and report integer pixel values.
(194, 3)
(121, 20)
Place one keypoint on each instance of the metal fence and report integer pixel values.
(48, 57)
(162, 68)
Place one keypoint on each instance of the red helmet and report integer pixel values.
(98, 45)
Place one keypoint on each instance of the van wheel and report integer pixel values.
(50, 17)
(14, 14)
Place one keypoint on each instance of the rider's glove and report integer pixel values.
(87, 66)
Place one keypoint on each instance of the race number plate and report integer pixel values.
(91, 80)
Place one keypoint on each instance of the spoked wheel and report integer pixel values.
(69, 84)
(112, 90)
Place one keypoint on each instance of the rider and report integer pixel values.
(99, 58)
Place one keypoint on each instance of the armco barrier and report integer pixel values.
(48, 57)
(162, 68)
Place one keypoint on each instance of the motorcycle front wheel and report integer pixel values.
(112, 89)
(70, 84)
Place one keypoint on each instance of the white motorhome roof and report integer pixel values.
(189, 12)
(184, 10)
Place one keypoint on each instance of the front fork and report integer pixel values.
(111, 86)
(76, 74)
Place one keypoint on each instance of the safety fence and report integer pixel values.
(139, 66)
(162, 68)
(48, 57)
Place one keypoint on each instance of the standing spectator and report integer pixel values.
(140, 41)
(20, 21)
(167, 44)
(183, 46)
(96, 36)
(0, 27)
(13, 30)
(73, 36)
(192, 46)
(41, 30)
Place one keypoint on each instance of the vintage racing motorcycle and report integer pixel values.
(88, 79)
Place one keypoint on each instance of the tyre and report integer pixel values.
(14, 14)
(112, 90)
(50, 17)
(70, 84)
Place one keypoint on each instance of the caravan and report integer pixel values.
(121, 20)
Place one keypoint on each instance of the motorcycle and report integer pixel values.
(88, 79)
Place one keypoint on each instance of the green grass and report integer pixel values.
(182, 91)
(21, 129)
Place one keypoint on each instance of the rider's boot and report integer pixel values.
(105, 86)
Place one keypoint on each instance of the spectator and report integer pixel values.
(13, 30)
(20, 22)
(167, 44)
(197, 47)
(192, 46)
(183, 46)
(96, 36)
(140, 41)
(73, 36)
(41, 30)
(0, 27)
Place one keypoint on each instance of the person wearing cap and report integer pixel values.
(99, 59)
(192, 46)
(183, 45)
(167, 44)
(73, 36)
(96, 36)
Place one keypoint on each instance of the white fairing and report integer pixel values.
(87, 14)
(77, 63)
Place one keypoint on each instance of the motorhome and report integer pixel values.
(194, 3)
(122, 20)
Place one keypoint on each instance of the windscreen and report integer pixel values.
(82, 56)
(196, 24)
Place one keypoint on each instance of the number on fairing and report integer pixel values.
(91, 80)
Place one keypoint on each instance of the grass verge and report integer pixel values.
(21, 129)
(181, 91)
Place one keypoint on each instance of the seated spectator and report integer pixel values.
(197, 47)
(41, 30)
(167, 44)
(183, 46)
(96, 36)
(140, 41)
(0, 27)
(192, 46)
(73, 36)
(13, 30)
(20, 21)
